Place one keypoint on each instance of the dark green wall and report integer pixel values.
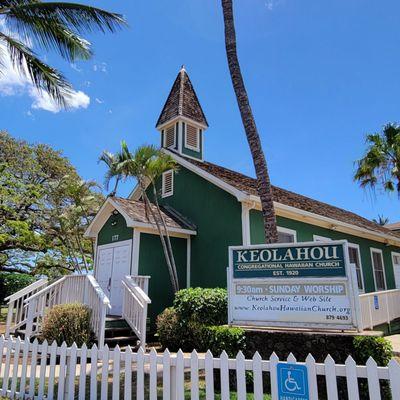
(217, 216)
(115, 225)
(152, 262)
(306, 231)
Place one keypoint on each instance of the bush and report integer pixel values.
(378, 348)
(205, 306)
(13, 282)
(219, 338)
(68, 323)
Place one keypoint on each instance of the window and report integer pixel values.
(192, 138)
(318, 238)
(167, 183)
(379, 269)
(396, 268)
(354, 258)
(169, 137)
(286, 235)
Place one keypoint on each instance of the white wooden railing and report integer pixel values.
(134, 307)
(17, 309)
(142, 281)
(379, 307)
(41, 371)
(68, 289)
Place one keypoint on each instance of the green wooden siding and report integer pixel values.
(306, 231)
(152, 262)
(217, 215)
(114, 230)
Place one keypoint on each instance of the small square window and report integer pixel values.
(167, 183)
(286, 235)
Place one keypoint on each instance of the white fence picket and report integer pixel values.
(48, 366)
(373, 380)
(351, 379)
(224, 368)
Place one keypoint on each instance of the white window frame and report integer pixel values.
(171, 192)
(393, 255)
(356, 246)
(318, 238)
(372, 250)
(188, 146)
(173, 146)
(288, 231)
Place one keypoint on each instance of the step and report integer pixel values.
(118, 331)
(121, 341)
(116, 322)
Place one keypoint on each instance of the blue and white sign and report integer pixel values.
(292, 382)
(376, 302)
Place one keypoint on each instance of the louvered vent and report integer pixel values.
(192, 138)
(168, 183)
(170, 136)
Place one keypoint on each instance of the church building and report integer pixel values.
(208, 208)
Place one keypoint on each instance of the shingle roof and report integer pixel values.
(393, 227)
(182, 101)
(137, 212)
(248, 185)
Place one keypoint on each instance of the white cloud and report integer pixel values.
(43, 101)
(13, 82)
(100, 67)
(99, 101)
(75, 67)
(271, 4)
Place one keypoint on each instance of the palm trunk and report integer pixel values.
(169, 246)
(163, 244)
(253, 139)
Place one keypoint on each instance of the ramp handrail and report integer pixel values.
(134, 308)
(69, 289)
(17, 309)
(379, 307)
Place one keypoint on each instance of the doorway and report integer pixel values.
(113, 263)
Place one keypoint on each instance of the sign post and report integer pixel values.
(302, 285)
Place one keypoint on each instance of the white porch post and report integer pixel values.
(188, 258)
(245, 223)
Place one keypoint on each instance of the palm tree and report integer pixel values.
(263, 182)
(146, 165)
(381, 162)
(50, 26)
(381, 220)
(112, 161)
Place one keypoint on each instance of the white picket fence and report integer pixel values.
(40, 371)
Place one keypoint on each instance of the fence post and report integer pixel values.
(32, 305)
(102, 327)
(173, 382)
(9, 318)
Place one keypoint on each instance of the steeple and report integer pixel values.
(182, 121)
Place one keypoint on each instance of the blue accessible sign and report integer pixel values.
(292, 382)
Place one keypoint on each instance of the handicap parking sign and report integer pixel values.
(292, 382)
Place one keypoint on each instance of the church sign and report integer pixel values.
(304, 285)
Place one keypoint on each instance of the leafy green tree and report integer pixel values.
(44, 209)
(146, 164)
(56, 26)
(381, 162)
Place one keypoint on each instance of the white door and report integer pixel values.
(396, 268)
(121, 268)
(113, 263)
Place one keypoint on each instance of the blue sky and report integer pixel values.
(320, 75)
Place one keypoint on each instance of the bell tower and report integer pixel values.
(182, 122)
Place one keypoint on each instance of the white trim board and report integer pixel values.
(283, 209)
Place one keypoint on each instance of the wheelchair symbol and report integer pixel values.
(290, 383)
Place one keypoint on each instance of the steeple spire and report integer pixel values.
(182, 101)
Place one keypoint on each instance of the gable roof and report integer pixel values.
(248, 185)
(135, 215)
(182, 101)
(136, 210)
(395, 226)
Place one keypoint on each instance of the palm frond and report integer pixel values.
(50, 34)
(80, 17)
(42, 75)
